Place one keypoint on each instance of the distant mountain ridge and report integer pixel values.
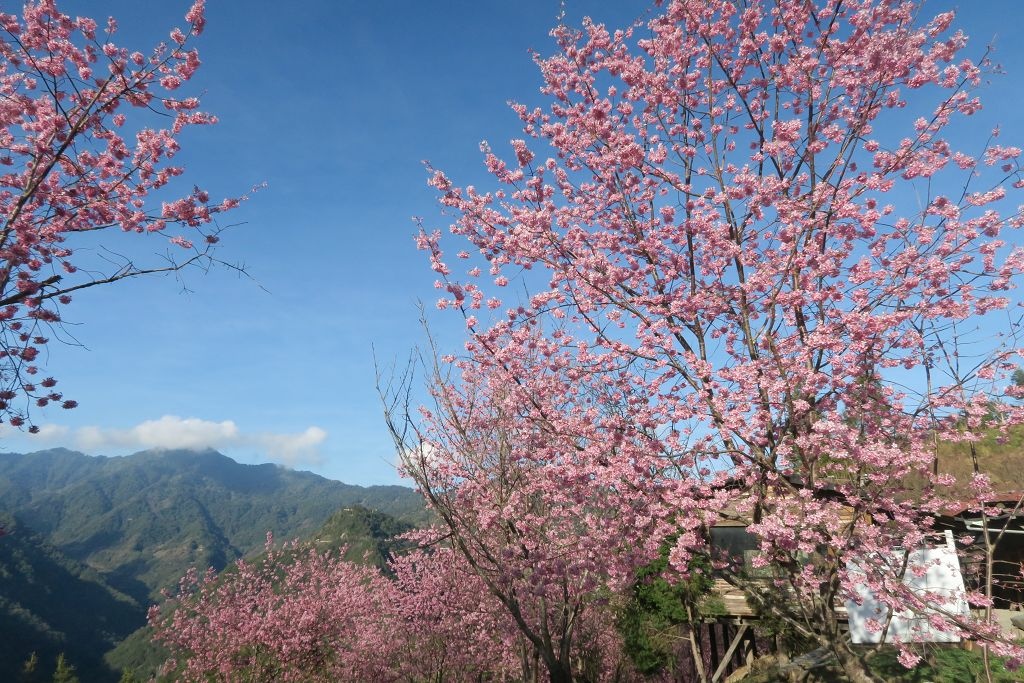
(133, 525)
(142, 520)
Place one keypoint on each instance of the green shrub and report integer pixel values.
(942, 665)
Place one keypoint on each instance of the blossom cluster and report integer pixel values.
(79, 154)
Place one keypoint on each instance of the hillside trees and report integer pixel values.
(767, 256)
(88, 135)
(294, 614)
(65, 673)
(302, 614)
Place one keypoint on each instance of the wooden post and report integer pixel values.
(696, 638)
(727, 658)
(714, 645)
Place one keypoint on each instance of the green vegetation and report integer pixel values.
(51, 604)
(999, 456)
(368, 535)
(651, 621)
(64, 673)
(138, 655)
(143, 520)
(96, 539)
(941, 665)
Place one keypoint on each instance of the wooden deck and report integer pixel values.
(735, 605)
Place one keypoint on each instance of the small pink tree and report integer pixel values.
(297, 614)
(548, 542)
(292, 615)
(447, 625)
(758, 264)
(88, 135)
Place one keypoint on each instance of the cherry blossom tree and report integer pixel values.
(88, 138)
(300, 614)
(448, 627)
(544, 539)
(294, 614)
(766, 278)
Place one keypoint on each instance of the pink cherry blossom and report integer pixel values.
(733, 306)
(68, 170)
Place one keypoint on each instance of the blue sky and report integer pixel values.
(334, 104)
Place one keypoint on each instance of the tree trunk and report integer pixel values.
(559, 672)
(854, 667)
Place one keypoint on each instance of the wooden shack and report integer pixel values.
(730, 619)
(1006, 533)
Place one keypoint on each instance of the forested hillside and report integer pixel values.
(50, 604)
(91, 541)
(999, 456)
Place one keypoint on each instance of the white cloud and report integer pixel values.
(294, 447)
(53, 432)
(171, 431)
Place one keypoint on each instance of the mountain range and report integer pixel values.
(89, 541)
